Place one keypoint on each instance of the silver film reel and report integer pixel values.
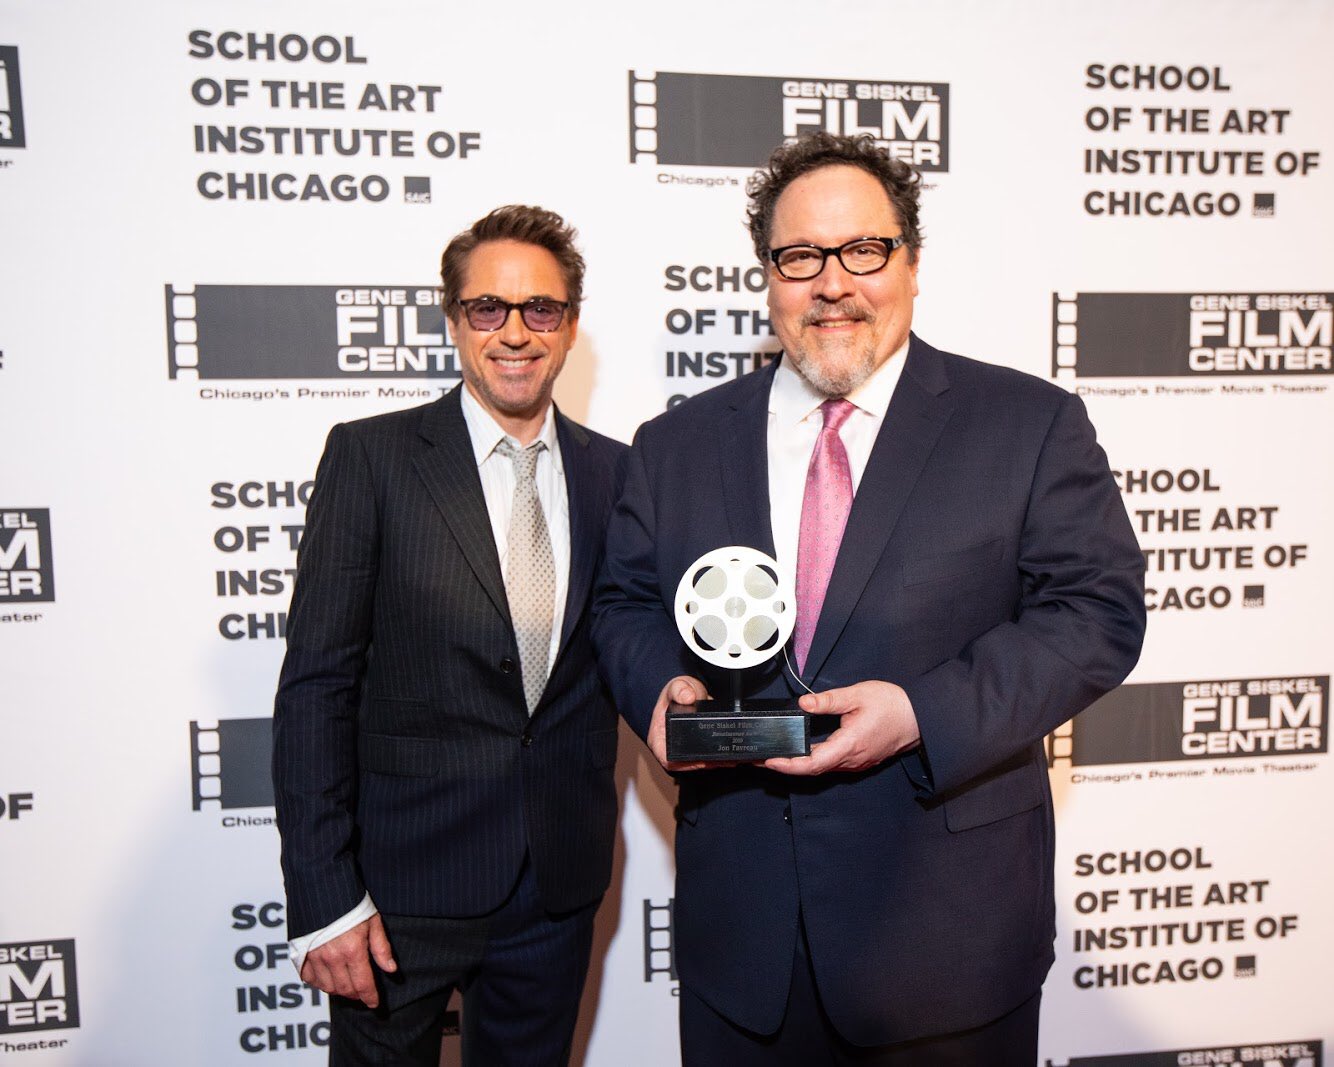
(734, 608)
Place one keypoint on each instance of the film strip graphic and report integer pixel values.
(1190, 335)
(182, 332)
(1061, 745)
(230, 764)
(643, 117)
(733, 120)
(1261, 1054)
(350, 333)
(12, 132)
(1161, 722)
(659, 934)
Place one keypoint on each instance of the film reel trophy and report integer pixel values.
(734, 609)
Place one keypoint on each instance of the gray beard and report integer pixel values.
(834, 382)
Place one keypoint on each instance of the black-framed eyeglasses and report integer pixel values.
(488, 313)
(861, 255)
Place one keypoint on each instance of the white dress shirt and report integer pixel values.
(497, 474)
(795, 422)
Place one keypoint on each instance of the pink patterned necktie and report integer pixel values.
(824, 513)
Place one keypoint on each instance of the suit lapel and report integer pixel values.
(586, 532)
(743, 452)
(449, 471)
(917, 414)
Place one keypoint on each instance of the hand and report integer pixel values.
(878, 722)
(342, 966)
(682, 689)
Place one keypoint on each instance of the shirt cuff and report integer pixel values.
(299, 946)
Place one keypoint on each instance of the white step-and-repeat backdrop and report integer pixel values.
(221, 226)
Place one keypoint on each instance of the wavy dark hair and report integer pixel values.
(902, 184)
(514, 222)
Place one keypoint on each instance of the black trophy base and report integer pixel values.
(718, 731)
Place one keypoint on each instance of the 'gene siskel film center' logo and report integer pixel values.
(230, 763)
(38, 989)
(731, 120)
(1267, 1054)
(1190, 335)
(1227, 718)
(25, 556)
(307, 331)
(12, 133)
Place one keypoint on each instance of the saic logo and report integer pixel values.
(1163, 721)
(13, 805)
(274, 331)
(729, 120)
(38, 989)
(229, 763)
(417, 190)
(1273, 1054)
(12, 134)
(1185, 335)
(25, 555)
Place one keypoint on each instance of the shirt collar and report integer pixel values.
(792, 399)
(485, 433)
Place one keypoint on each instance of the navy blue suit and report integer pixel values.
(989, 568)
(405, 761)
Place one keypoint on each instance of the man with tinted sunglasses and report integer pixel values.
(443, 748)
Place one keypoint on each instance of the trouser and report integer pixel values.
(521, 972)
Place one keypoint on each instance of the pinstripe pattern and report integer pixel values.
(521, 972)
(404, 759)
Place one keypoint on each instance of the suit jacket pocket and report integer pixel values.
(1010, 791)
(952, 564)
(602, 748)
(415, 757)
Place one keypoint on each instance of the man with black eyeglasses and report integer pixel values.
(443, 748)
(966, 581)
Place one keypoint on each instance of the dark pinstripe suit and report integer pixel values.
(405, 763)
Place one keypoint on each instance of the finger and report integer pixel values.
(831, 701)
(825, 756)
(793, 765)
(319, 974)
(381, 951)
(699, 766)
(683, 692)
(362, 980)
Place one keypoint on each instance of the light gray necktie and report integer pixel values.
(530, 572)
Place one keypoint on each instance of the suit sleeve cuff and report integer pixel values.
(299, 946)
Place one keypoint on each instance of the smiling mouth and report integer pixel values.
(514, 362)
(835, 316)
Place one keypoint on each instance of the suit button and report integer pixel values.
(787, 814)
(507, 665)
(527, 739)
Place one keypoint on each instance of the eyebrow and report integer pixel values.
(535, 296)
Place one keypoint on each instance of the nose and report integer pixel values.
(834, 283)
(513, 331)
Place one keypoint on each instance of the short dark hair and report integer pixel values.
(789, 162)
(514, 222)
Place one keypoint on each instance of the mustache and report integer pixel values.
(844, 309)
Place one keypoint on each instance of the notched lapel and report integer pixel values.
(588, 512)
(743, 456)
(449, 471)
(917, 415)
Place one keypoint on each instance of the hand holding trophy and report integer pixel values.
(735, 610)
